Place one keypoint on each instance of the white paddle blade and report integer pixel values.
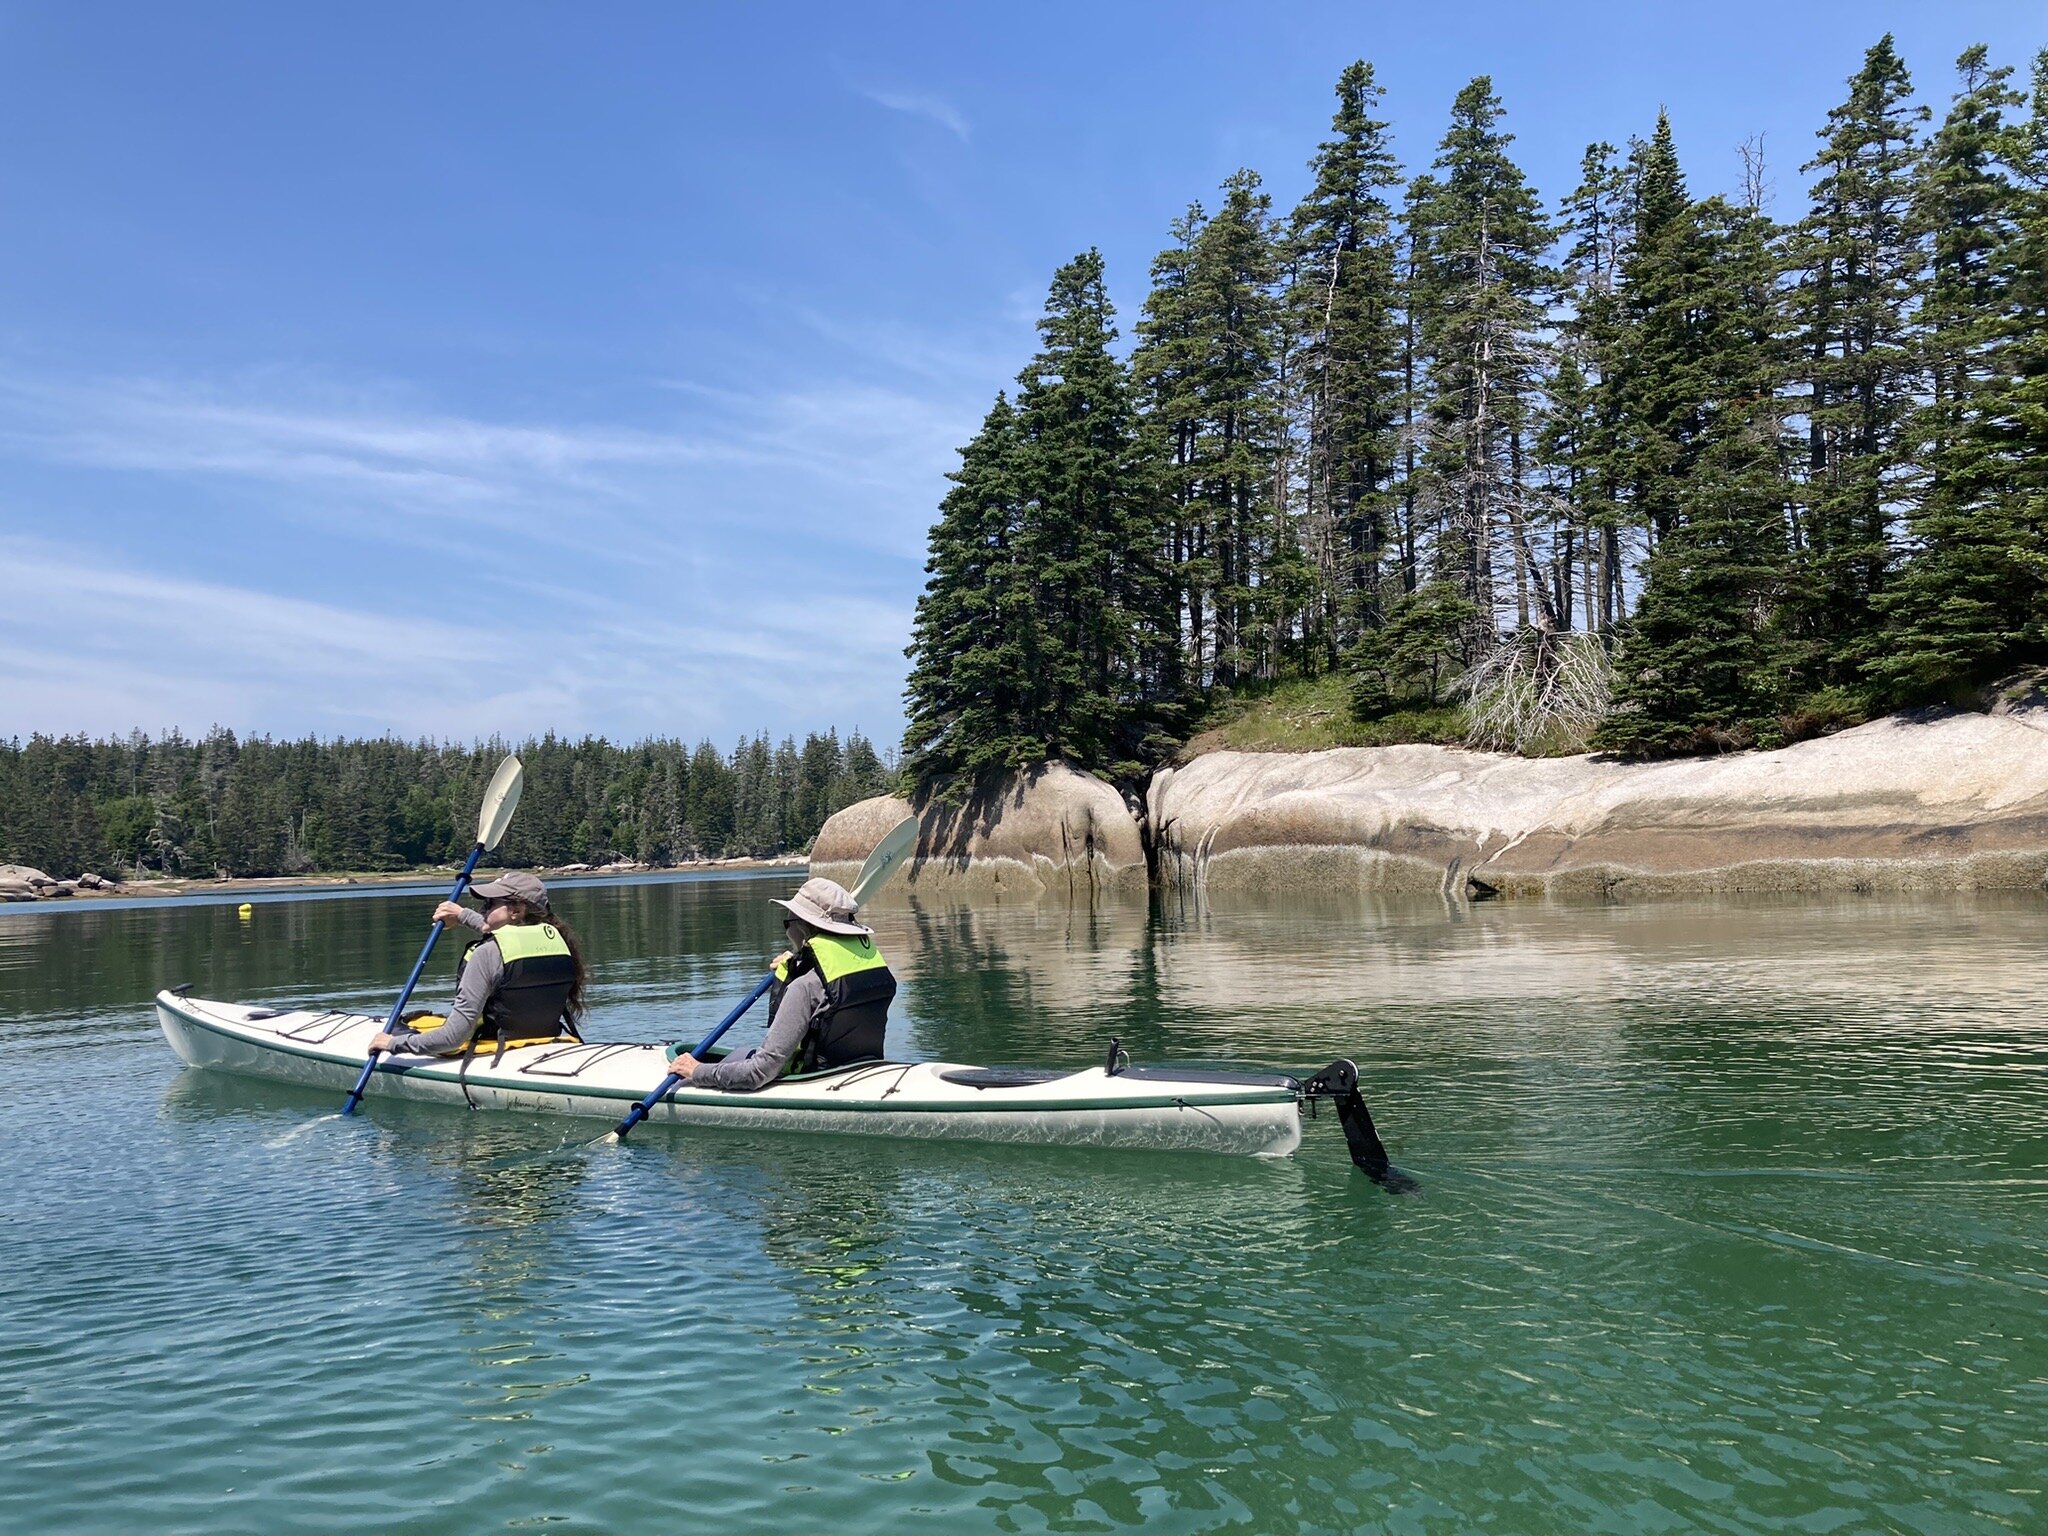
(889, 853)
(500, 801)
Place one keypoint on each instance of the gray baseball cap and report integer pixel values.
(516, 883)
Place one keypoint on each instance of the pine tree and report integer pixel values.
(1345, 305)
(1047, 625)
(1088, 539)
(1578, 440)
(2019, 426)
(1237, 319)
(1409, 658)
(975, 642)
(1477, 293)
(1659, 394)
(709, 796)
(1702, 662)
(1862, 261)
(1968, 603)
(1166, 379)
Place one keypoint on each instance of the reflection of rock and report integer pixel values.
(1959, 801)
(1045, 982)
(1055, 831)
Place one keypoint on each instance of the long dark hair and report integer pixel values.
(572, 1010)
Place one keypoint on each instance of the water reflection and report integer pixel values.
(1733, 1213)
(498, 1286)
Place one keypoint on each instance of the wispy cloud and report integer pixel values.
(970, 361)
(97, 646)
(842, 457)
(258, 551)
(189, 427)
(916, 104)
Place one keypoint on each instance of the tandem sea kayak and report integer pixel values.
(1113, 1105)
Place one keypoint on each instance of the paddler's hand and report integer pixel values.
(683, 1065)
(450, 913)
(382, 1042)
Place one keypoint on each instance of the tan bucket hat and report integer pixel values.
(824, 904)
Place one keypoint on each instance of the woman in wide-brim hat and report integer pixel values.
(829, 1006)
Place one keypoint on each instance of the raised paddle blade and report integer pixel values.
(500, 801)
(889, 853)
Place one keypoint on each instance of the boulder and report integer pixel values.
(849, 836)
(16, 890)
(1936, 801)
(92, 882)
(1054, 831)
(23, 874)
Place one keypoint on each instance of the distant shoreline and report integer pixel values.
(286, 884)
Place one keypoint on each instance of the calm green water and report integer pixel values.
(1735, 1219)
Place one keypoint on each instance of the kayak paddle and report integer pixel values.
(500, 801)
(874, 874)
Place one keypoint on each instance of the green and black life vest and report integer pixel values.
(858, 990)
(525, 1008)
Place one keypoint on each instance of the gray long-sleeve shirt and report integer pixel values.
(802, 1001)
(483, 972)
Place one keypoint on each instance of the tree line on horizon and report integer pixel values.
(228, 806)
(1663, 467)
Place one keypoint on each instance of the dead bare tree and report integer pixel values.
(1538, 690)
(1756, 187)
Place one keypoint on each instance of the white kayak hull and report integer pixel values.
(1238, 1114)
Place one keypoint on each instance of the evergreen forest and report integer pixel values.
(1648, 468)
(226, 807)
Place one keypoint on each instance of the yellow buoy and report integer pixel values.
(246, 910)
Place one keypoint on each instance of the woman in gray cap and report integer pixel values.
(829, 1006)
(519, 984)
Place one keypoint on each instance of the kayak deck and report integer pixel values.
(1245, 1114)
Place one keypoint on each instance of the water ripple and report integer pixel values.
(1714, 1235)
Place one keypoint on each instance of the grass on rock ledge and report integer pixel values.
(1310, 714)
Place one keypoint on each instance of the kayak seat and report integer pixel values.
(999, 1077)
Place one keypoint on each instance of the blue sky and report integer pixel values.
(449, 369)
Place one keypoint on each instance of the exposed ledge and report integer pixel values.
(1923, 803)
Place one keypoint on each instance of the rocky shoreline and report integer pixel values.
(1936, 801)
(21, 883)
(1056, 832)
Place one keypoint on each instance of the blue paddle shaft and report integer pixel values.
(668, 1084)
(734, 1017)
(433, 937)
